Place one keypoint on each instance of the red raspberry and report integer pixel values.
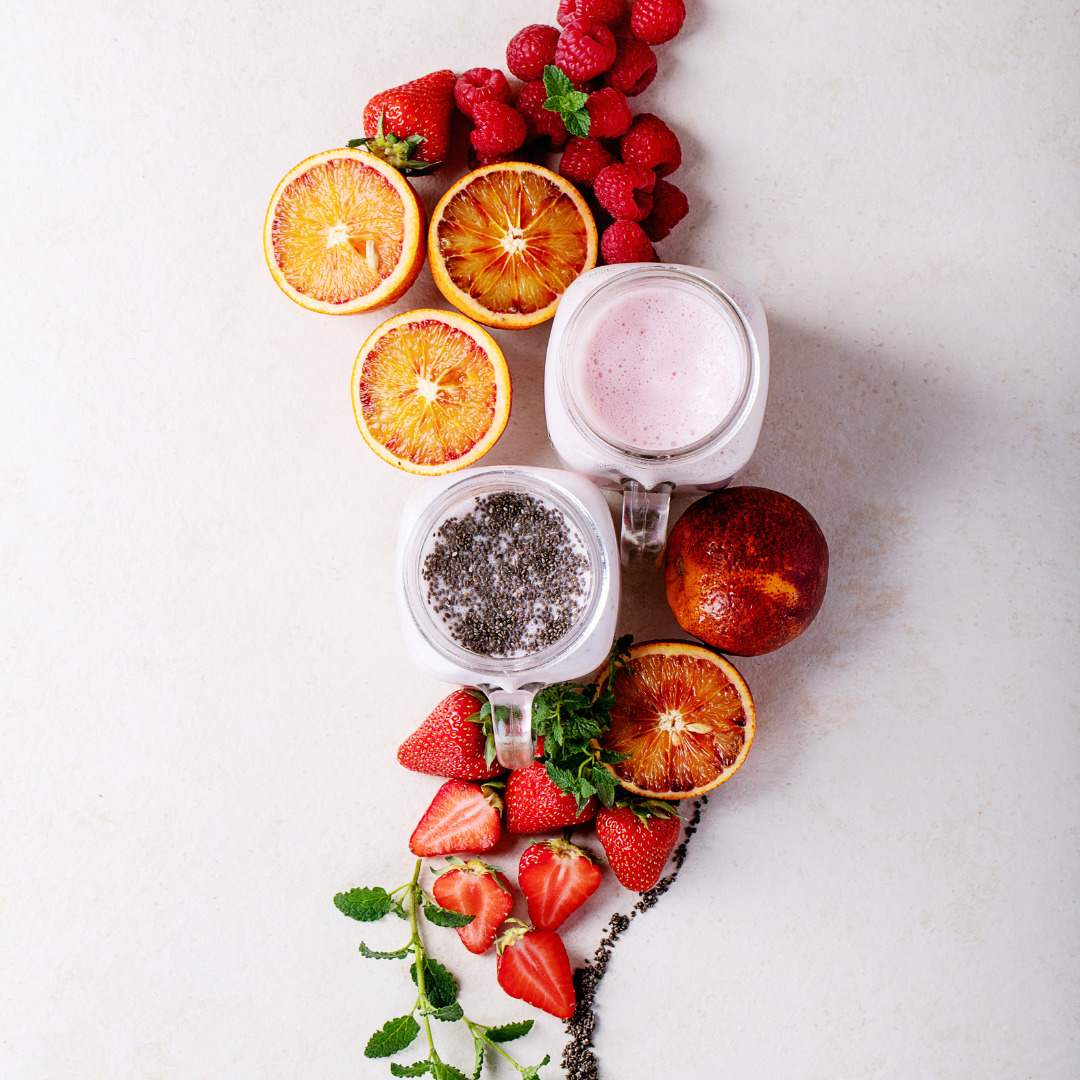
(623, 191)
(609, 12)
(531, 50)
(634, 67)
(586, 49)
(583, 159)
(609, 115)
(669, 207)
(541, 121)
(499, 129)
(657, 21)
(480, 84)
(624, 241)
(650, 142)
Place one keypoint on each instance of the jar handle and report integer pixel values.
(644, 521)
(511, 722)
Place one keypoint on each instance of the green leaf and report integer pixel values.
(450, 1012)
(441, 916)
(577, 123)
(605, 786)
(418, 1069)
(478, 1049)
(507, 1032)
(440, 986)
(531, 1072)
(566, 101)
(393, 1036)
(364, 905)
(563, 777)
(373, 954)
(556, 82)
(442, 1071)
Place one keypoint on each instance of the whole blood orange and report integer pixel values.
(745, 570)
(684, 717)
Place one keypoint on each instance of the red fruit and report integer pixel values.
(634, 67)
(477, 889)
(650, 142)
(583, 159)
(421, 109)
(480, 84)
(541, 121)
(657, 21)
(623, 191)
(609, 114)
(586, 49)
(500, 129)
(461, 817)
(533, 966)
(609, 12)
(557, 877)
(625, 242)
(669, 207)
(536, 804)
(637, 848)
(531, 50)
(448, 743)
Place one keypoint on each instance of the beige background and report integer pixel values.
(202, 684)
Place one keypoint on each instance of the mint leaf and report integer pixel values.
(364, 905)
(531, 1072)
(450, 1012)
(507, 1032)
(442, 1071)
(418, 1069)
(373, 954)
(441, 916)
(566, 101)
(393, 1036)
(478, 1049)
(439, 984)
(577, 123)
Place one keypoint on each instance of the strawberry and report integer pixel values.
(657, 21)
(450, 743)
(477, 889)
(461, 817)
(533, 965)
(637, 841)
(625, 242)
(557, 877)
(535, 804)
(409, 125)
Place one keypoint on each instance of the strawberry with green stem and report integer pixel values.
(557, 877)
(533, 965)
(637, 836)
(455, 741)
(474, 888)
(436, 987)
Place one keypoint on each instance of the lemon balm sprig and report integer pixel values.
(437, 989)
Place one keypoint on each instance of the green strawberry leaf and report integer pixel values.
(417, 1069)
(441, 916)
(508, 1032)
(393, 1036)
(566, 101)
(440, 986)
(373, 954)
(365, 905)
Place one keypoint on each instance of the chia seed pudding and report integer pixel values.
(508, 577)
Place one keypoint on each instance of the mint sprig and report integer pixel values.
(566, 101)
(436, 987)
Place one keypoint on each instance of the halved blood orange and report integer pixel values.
(431, 391)
(344, 233)
(685, 717)
(506, 240)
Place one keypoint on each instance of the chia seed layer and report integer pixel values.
(508, 578)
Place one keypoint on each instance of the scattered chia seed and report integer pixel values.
(578, 1059)
(508, 578)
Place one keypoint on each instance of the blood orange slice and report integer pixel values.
(506, 240)
(685, 717)
(431, 391)
(344, 233)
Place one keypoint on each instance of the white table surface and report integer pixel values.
(202, 682)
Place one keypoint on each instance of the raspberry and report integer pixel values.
(669, 207)
(480, 84)
(583, 159)
(624, 241)
(499, 129)
(657, 21)
(586, 49)
(609, 12)
(623, 191)
(541, 121)
(650, 142)
(634, 67)
(531, 50)
(609, 115)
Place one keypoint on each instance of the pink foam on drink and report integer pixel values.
(661, 368)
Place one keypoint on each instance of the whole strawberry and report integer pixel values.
(650, 142)
(533, 966)
(657, 21)
(624, 191)
(480, 84)
(557, 877)
(586, 49)
(535, 804)
(634, 67)
(461, 817)
(637, 841)
(531, 50)
(453, 741)
(477, 889)
(625, 242)
(500, 129)
(409, 125)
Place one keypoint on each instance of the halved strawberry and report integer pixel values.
(637, 840)
(557, 877)
(451, 743)
(477, 889)
(536, 804)
(533, 966)
(461, 817)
